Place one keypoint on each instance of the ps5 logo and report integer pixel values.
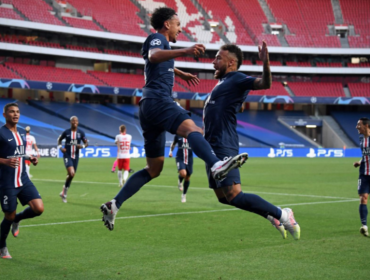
(95, 152)
(280, 153)
(325, 153)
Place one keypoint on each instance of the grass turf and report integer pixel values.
(158, 237)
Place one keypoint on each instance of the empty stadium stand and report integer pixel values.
(9, 13)
(317, 89)
(53, 74)
(359, 89)
(276, 89)
(82, 23)
(101, 119)
(347, 121)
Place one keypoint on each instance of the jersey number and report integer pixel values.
(124, 145)
(5, 200)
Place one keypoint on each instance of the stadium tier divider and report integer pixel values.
(51, 112)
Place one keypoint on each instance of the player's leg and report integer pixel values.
(114, 165)
(155, 140)
(119, 172)
(363, 191)
(126, 168)
(182, 174)
(186, 187)
(29, 195)
(70, 166)
(8, 200)
(203, 149)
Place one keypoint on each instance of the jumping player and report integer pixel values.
(31, 143)
(159, 113)
(363, 128)
(14, 182)
(71, 152)
(220, 110)
(123, 142)
(184, 163)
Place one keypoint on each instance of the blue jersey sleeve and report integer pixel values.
(157, 41)
(244, 82)
(83, 137)
(62, 136)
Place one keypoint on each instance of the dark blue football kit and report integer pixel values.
(72, 139)
(184, 155)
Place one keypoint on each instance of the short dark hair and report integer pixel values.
(365, 121)
(9, 105)
(122, 128)
(232, 48)
(161, 15)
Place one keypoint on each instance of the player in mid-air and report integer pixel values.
(31, 144)
(159, 113)
(184, 163)
(14, 181)
(123, 142)
(219, 116)
(363, 128)
(71, 152)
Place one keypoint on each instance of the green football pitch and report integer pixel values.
(158, 237)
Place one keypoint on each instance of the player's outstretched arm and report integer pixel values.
(37, 150)
(188, 77)
(357, 163)
(266, 80)
(158, 55)
(172, 148)
(60, 138)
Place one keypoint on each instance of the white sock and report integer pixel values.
(284, 216)
(125, 175)
(119, 174)
(28, 170)
(365, 227)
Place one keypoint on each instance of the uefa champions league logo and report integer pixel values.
(155, 42)
(49, 85)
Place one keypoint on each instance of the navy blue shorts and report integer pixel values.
(68, 162)
(156, 117)
(188, 167)
(363, 184)
(25, 194)
(233, 177)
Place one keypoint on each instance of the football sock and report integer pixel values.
(119, 174)
(4, 231)
(65, 190)
(254, 203)
(363, 214)
(114, 165)
(125, 175)
(186, 186)
(25, 214)
(201, 148)
(181, 179)
(68, 182)
(133, 185)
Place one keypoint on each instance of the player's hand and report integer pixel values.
(197, 50)
(170, 154)
(79, 146)
(34, 160)
(38, 155)
(63, 150)
(12, 162)
(263, 53)
(356, 164)
(191, 79)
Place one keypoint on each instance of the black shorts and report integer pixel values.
(188, 167)
(156, 117)
(25, 194)
(363, 184)
(68, 162)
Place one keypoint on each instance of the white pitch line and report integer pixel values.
(197, 188)
(181, 213)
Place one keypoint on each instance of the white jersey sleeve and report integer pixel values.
(123, 145)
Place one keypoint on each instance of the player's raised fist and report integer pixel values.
(196, 50)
